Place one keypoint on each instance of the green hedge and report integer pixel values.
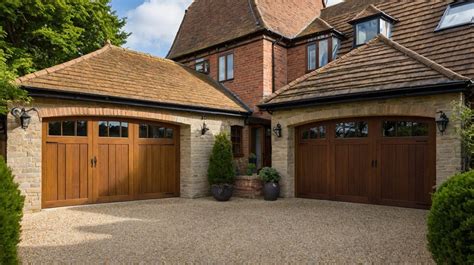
(451, 221)
(221, 167)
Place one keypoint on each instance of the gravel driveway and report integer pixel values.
(205, 231)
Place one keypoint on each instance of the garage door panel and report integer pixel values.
(352, 170)
(313, 170)
(113, 178)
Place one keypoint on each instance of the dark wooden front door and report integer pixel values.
(105, 160)
(380, 160)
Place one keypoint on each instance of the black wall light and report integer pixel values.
(204, 127)
(23, 116)
(277, 130)
(442, 122)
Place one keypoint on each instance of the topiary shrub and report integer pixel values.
(268, 174)
(451, 221)
(221, 168)
(11, 212)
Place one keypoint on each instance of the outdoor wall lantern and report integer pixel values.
(23, 116)
(442, 122)
(277, 130)
(204, 127)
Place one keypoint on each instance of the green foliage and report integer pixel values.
(451, 221)
(11, 206)
(268, 174)
(9, 92)
(39, 34)
(221, 169)
(251, 167)
(465, 116)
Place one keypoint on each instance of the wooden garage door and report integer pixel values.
(380, 160)
(94, 161)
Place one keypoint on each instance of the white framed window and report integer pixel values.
(367, 30)
(457, 14)
(321, 52)
(311, 54)
(202, 66)
(226, 67)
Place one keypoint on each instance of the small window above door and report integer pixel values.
(113, 129)
(67, 128)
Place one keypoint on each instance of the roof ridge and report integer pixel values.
(315, 72)
(257, 15)
(373, 8)
(422, 59)
(179, 29)
(61, 66)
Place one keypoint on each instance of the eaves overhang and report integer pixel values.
(87, 97)
(450, 87)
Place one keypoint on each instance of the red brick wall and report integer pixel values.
(281, 67)
(296, 62)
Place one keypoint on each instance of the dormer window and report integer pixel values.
(367, 30)
(371, 22)
(202, 66)
(457, 14)
(321, 52)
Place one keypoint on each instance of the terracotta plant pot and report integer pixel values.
(271, 191)
(222, 192)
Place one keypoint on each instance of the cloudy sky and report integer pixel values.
(153, 23)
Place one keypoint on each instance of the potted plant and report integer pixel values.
(251, 168)
(221, 173)
(271, 188)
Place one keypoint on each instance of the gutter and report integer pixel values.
(78, 96)
(455, 86)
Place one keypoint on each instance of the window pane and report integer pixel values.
(54, 128)
(114, 129)
(230, 66)
(323, 53)
(199, 67)
(339, 130)
(103, 129)
(362, 129)
(350, 129)
(366, 31)
(305, 135)
(124, 129)
(169, 133)
(143, 131)
(457, 15)
(81, 128)
(322, 131)
(222, 68)
(385, 28)
(69, 128)
(404, 128)
(420, 129)
(313, 133)
(311, 57)
(389, 129)
(336, 43)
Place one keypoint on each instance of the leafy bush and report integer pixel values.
(221, 169)
(451, 221)
(268, 174)
(11, 212)
(465, 117)
(251, 167)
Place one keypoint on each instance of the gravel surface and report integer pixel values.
(242, 230)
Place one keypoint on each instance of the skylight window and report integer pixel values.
(457, 14)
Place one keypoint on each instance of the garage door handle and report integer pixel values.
(94, 162)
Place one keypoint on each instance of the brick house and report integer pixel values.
(356, 88)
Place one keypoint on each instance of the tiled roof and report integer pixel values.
(212, 22)
(367, 12)
(415, 30)
(317, 26)
(117, 72)
(380, 65)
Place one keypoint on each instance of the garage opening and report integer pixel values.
(88, 160)
(378, 160)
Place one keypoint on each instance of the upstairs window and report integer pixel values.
(457, 14)
(202, 66)
(321, 52)
(367, 30)
(226, 67)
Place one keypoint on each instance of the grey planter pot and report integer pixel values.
(222, 192)
(271, 191)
